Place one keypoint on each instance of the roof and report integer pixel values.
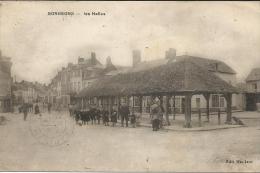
(145, 65)
(184, 75)
(90, 73)
(254, 75)
(118, 70)
(211, 64)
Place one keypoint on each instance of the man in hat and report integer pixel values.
(155, 112)
(124, 112)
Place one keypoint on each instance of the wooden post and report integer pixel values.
(141, 104)
(101, 102)
(82, 102)
(109, 106)
(207, 96)
(133, 100)
(187, 111)
(167, 110)
(229, 107)
(118, 106)
(199, 111)
(218, 116)
(97, 105)
(174, 109)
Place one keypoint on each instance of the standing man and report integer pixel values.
(49, 108)
(124, 112)
(155, 113)
(25, 111)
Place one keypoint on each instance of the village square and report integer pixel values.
(122, 102)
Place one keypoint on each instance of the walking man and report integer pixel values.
(124, 112)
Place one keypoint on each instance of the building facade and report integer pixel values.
(5, 84)
(72, 79)
(253, 90)
(28, 92)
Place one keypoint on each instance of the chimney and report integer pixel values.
(136, 57)
(93, 55)
(108, 62)
(93, 58)
(109, 65)
(80, 60)
(170, 54)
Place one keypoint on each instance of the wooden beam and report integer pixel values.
(110, 106)
(167, 109)
(228, 98)
(207, 96)
(174, 109)
(199, 112)
(187, 111)
(133, 100)
(118, 106)
(141, 104)
(82, 102)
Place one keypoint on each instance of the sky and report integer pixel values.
(40, 44)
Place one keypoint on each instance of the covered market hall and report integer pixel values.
(176, 78)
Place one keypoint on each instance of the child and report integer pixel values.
(114, 118)
(98, 115)
(133, 120)
(106, 117)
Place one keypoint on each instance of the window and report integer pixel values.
(255, 86)
(198, 102)
(177, 102)
(221, 102)
(136, 101)
(215, 101)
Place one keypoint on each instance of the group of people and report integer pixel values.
(98, 114)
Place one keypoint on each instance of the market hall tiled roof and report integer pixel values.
(183, 75)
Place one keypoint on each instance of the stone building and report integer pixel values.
(28, 92)
(75, 77)
(5, 84)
